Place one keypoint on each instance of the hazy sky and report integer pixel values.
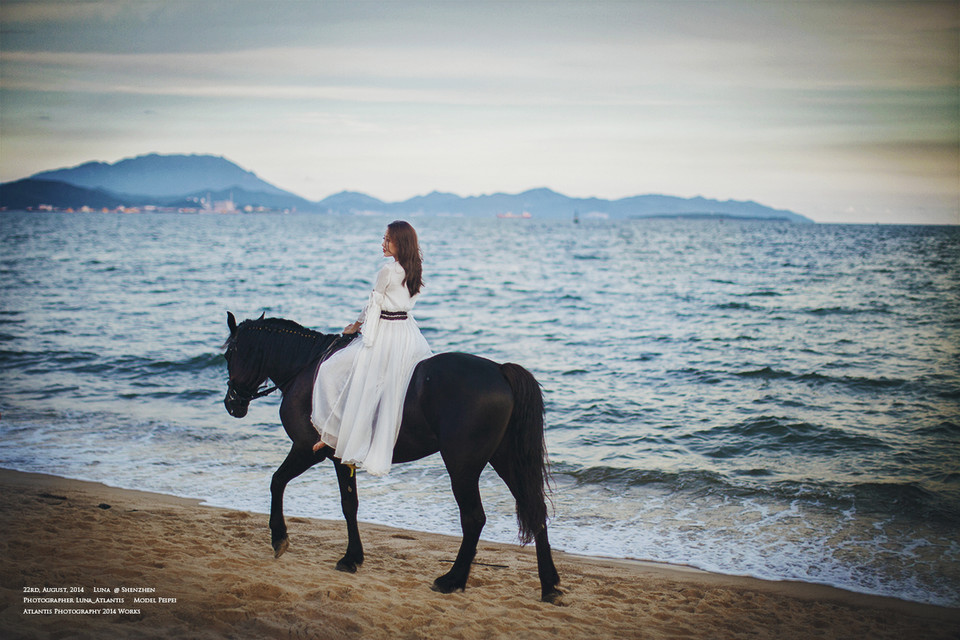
(841, 111)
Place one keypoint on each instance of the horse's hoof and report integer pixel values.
(347, 566)
(554, 596)
(445, 586)
(280, 547)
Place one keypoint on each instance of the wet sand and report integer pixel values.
(219, 567)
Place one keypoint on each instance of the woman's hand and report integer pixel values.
(351, 328)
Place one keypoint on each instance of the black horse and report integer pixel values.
(470, 409)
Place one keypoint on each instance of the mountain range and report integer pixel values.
(196, 181)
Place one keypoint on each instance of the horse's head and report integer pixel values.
(245, 375)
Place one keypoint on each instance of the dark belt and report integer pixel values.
(393, 315)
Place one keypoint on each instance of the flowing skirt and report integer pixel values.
(359, 391)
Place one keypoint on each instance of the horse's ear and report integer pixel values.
(262, 315)
(232, 323)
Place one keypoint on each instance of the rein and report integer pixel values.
(236, 393)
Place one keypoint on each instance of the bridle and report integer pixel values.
(236, 394)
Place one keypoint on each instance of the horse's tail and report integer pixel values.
(527, 452)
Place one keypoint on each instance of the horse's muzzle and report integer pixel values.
(234, 404)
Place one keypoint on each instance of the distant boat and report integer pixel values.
(576, 217)
(510, 215)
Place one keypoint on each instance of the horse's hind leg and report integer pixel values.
(300, 458)
(349, 502)
(549, 578)
(546, 570)
(466, 489)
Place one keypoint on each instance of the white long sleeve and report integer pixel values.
(370, 316)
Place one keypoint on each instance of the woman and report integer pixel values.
(358, 393)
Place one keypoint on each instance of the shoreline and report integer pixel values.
(216, 570)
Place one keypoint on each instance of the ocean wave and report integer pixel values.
(849, 311)
(770, 434)
(80, 361)
(633, 477)
(143, 365)
(944, 428)
(908, 501)
(766, 373)
(736, 306)
(186, 395)
(34, 360)
(816, 379)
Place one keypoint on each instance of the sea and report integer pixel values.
(751, 398)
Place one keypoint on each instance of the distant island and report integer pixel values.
(212, 184)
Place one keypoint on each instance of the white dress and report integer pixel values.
(359, 391)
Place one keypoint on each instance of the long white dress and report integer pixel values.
(359, 391)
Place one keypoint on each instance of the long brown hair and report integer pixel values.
(404, 237)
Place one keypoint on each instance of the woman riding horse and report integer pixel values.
(358, 394)
(471, 410)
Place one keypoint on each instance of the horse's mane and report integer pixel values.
(281, 325)
(283, 340)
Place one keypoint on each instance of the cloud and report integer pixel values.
(374, 74)
(732, 95)
(612, 54)
(65, 12)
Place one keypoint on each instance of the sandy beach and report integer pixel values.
(204, 572)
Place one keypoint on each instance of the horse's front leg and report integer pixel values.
(300, 458)
(349, 502)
